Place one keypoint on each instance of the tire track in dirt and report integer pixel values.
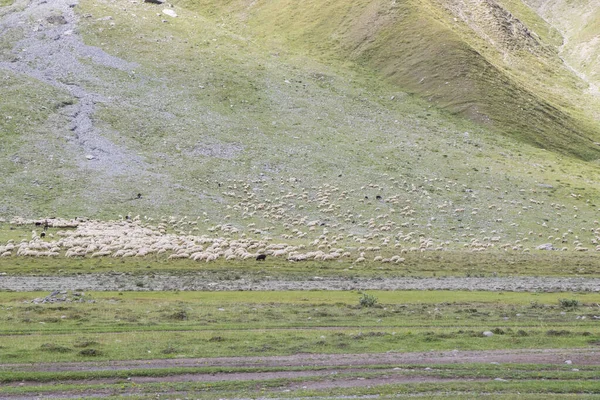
(285, 388)
(330, 377)
(329, 374)
(584, 356)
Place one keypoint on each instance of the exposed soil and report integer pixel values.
(391, 375)
(303, 385)
(126, 282)
(521, 356)
(327, 378)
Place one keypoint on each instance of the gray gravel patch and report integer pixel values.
(125, 282)
(51, 51)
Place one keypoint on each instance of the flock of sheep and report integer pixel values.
(132, 238)
(320, 223)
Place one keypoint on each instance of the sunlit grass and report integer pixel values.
(130, 325)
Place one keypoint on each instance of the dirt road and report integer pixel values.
(301, 371)
(521, 356)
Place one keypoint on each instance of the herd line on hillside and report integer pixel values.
(282, 220)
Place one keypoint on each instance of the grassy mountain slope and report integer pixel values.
(475, 58)
(251, 116)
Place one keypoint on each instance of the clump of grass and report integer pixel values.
(169, 350)
(54, 348)
(85, 343)
(569, 303)
(90, 353)
(180, 315)
(553, 332)
(367, 300)
(535, 304)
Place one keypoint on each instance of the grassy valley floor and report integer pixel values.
(297, 344)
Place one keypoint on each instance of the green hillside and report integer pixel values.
(479, 59)
(359, 115)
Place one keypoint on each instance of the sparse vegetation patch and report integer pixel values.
(367, 300)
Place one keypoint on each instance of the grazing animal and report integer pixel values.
(261, 257)
(43, 234)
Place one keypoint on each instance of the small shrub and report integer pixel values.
(568, 303)
(521, 332)
(367, 300)
(498, 331)
(216, 339)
